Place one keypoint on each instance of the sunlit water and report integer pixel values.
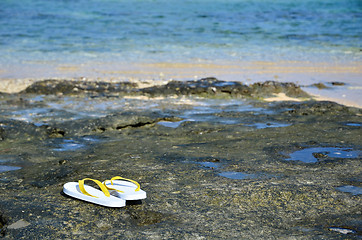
(312, 155)
(38, 31)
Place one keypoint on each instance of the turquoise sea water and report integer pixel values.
(146, 31)
(166, 30)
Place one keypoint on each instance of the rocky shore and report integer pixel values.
(216, 161)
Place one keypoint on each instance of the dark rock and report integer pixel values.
(322, 108)
(338, 83)
(3, 222)
(15, 129)
(320, 155)
(206, 87)
(112, 122)
(185, 199)
(48, 178)
(77, 87)
(2, 134)
(54, 132)
(214, 87)
(63, 161)
(320, 86)
(145, 218)
(268, 88)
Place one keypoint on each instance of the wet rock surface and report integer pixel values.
(207, 87)
(188, 169)
(67, 87)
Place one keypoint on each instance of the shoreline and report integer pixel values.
(304, 74)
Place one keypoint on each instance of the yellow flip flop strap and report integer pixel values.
(121, 178)
(101, 186)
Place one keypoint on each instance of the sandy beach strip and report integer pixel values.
(300, 72)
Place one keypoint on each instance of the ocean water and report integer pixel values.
(65, 35)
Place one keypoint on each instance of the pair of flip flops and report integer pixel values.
(112, 193)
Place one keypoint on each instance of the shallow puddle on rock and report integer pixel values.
(42, 115)
(350, 189)
(68, 145)
(342, 230)
(237, 175)
(268, 125)
(228, 121)
(211, 165)
(37, 98)
(90, 139)
(211, 110)
(102, 106)
(45, 109)
(207, 164)
(171, 124)
(311, 155)
(198, 113)
(204, 117)
(353, 124)
(62, 145)
(5, 168)
(223, 84)
(249, 109)
(32, 115)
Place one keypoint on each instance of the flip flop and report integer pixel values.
(124, 188)
(90, 194)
